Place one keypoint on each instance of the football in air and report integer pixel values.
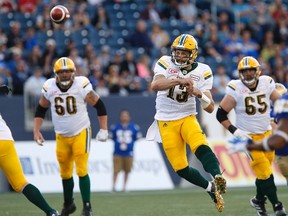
(59, 14)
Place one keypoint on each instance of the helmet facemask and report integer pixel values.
(249, 80)
(64, 70)
(245, 66)
(63, 77)
(182, 61)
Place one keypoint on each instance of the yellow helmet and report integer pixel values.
(61, 65)
(280, 88)
(184, 42)
(248, 62)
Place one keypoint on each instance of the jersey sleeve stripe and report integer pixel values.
(232, 87)
(207, 75)
(85, 84)
(45, 88)
(162, 64)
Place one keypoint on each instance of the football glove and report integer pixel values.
(239, 145)
(241, 134)
(4, 89)
(102, 135)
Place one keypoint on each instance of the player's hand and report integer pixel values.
(241, 134)
(102, 135)
(4, 89)
(38, 138)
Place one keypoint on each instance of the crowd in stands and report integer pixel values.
(115, 43)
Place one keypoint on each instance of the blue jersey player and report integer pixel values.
(124, 135)
(281, 155)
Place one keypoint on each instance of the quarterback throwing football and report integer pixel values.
(180, 81)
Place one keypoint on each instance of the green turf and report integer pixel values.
(178, 202)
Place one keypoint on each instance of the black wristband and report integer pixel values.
(232, 129)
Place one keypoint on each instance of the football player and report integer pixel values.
(181, 81)
(281, 155)
(68, 95)
(12, 169)
(250, 97)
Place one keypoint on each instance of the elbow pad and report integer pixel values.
(221, 114)
(100, 107)
(40, 112)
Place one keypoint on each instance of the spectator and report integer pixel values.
(32, 88)
(159, 37)
(101, 19)
(150, 13)
(30, 39)
(143, 67)
(34, 57)
(105, 57)
(268, 49)
(102, 89)
(27, 6)
(249, 45)
(49, 56)
(128, 64)
(233, 45)
(261, 21)
(220, 81)
(19, 76)
(140, 38)
(81, 17)
(7, 6)
(278, 10)
(188, 11)
(124, 135)
(171, 11)
(43, 21)
(96, 75)
(14, 35)
(242, 10)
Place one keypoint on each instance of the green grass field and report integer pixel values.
(178, 202)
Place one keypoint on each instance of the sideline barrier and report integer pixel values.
(149, 171)
(236, 167)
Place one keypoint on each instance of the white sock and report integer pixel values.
(209, 187)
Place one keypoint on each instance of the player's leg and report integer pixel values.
(65, 160)
(265, 185)
(81, 150)
(282, 163)
(175, 150)
(262, 167)
(11, 166)
(197, 141)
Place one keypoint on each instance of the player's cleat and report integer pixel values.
(53, 213)
(259, 205)
(279, 209)
(220, 183)
(68, 209)
(216, 197)
(87, 210)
